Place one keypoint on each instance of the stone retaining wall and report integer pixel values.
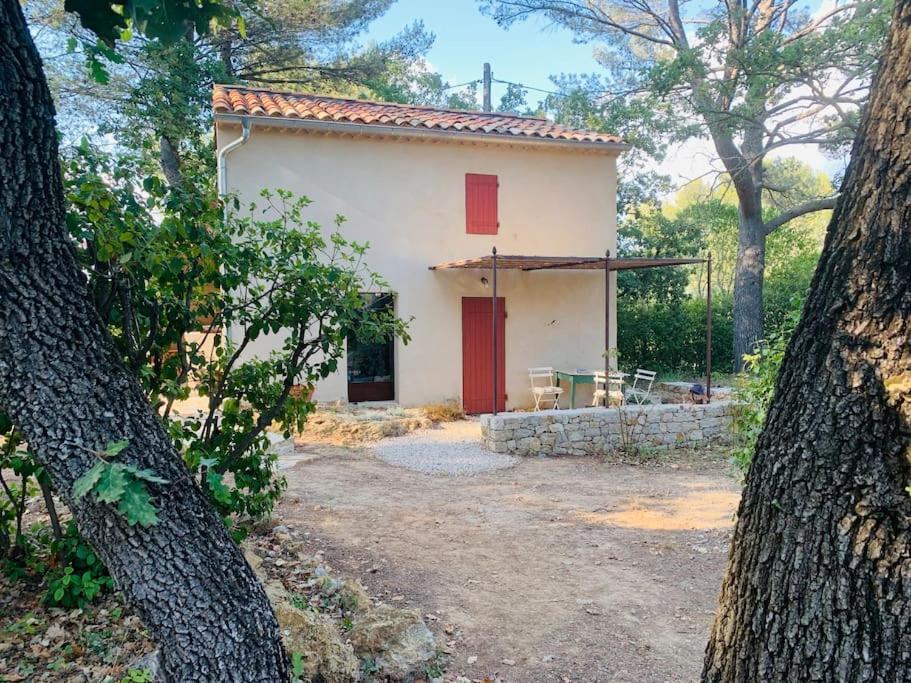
(592, 431)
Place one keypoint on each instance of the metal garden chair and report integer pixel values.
(641, 390)
(543, 388)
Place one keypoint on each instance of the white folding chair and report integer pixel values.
(542, 387)
(641, 390)
(608, 388)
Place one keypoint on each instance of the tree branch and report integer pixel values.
(800, 210)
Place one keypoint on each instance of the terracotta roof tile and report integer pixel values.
(236, 100)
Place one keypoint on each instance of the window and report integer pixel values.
(481, 204)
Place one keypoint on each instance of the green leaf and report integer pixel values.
(98, 71)
(87, 481)
(115, 447)
(136, 505)
(217, 486)
(112, 483)
(297, 664)
(145, 474)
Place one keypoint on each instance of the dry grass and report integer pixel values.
(351, 426)
(450, 411)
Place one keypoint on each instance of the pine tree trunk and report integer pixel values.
(63, 384)
(748, 277)
(819, 582)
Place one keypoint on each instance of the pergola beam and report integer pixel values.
(495, 262)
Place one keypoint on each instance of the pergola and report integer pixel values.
(494, 262)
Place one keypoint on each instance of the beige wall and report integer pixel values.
(407, 198)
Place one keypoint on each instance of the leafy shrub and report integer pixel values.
(75, 575)
(187, 289)
(670, 336)
(756, 390)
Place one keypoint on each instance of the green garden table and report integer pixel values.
(574, 377)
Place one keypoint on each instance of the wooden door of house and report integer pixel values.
(477, 355)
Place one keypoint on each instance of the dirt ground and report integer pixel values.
(559, 569)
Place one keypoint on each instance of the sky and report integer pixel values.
(529, 53)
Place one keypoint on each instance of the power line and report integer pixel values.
(529, 87)
(462, 85)
(502, 82)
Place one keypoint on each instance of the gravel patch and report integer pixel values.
(453, 448)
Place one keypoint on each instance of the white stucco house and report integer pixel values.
(434, 191)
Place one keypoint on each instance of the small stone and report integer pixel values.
(472, 659)
(509, 662)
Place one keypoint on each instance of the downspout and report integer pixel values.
(246, 127)
(222, 172)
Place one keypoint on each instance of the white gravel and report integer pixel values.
(453, 448)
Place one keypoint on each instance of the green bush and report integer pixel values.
(170, 270)
(670, 336)
(756, 389)
(75, 575)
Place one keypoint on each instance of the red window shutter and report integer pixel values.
(481, 204)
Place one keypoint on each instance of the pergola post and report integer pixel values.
(493, 327)
(708, 330)
(606, 312)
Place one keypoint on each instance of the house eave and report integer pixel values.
(379, 131)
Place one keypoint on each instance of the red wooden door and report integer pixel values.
(477, 355)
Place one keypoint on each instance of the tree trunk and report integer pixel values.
(63, 384)
(749, 271)
(170, 161)
(818, 587)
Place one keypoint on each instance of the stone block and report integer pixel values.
(530, 444)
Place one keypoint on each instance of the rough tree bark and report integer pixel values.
(62, 383)
(818, 587)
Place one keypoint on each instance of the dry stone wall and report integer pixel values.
(591, 431)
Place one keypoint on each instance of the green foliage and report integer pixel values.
(757, 389)
(14, 546)
(74, 574)
(297, 666)
(661, 311)
(169, 273)
(158, 76)
(164, 20)
(121, 484)
(137, 676)
(649, 232)
(669, 336)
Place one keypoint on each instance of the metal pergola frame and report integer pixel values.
(495, 262)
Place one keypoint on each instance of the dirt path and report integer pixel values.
(557, 569)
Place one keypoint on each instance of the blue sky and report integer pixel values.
(528, 53)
